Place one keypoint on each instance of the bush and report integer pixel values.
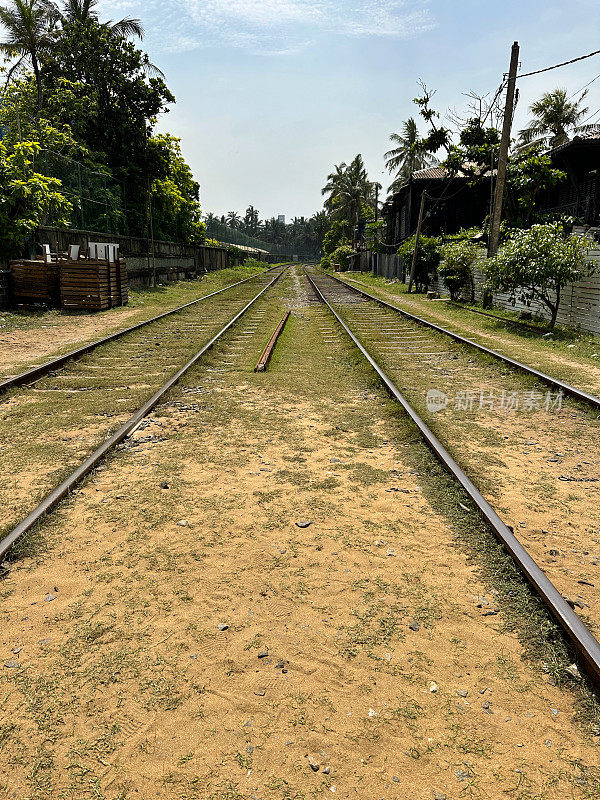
(254, 263)
(428, 258)
(326, 262)
(537, 263)
(342, 257)
(456, 267)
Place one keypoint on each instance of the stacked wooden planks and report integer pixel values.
(35, 282)
(93, 284)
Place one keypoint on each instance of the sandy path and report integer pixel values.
(194, 642)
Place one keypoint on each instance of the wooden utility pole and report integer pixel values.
(503, 154)
(417, 239)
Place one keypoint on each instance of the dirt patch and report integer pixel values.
(185, 637)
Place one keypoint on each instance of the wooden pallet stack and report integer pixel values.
(35, 281)
(93, 284)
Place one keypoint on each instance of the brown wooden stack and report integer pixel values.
(92, 284)
(35, 282)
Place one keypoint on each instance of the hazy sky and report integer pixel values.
(271, 93)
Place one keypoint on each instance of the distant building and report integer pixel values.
(281, 218)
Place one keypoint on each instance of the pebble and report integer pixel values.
(462, 775)
(12, 664)
(390, 552)
(414, 626)
(462, 692)
(250, 749)
(396, 779)
(164, 485)
(49, 598)
(433, 687)
(263, 654)
(260, 692)
(304, 523)
(183, 523)
(439, 796)
(222, 626)
(572, 671)
(314, 764)
(280, 665)
(326, 770)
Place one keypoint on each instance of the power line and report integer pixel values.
(583, 87)
(555, 66)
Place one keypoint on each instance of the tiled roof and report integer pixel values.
(430, 172)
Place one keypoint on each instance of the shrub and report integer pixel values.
(537, 263)
(428, 258)
(342, 256)
(456, 267)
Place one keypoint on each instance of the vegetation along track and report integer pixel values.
(71, 419)
(514, 426)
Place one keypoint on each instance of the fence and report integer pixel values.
(167, 261)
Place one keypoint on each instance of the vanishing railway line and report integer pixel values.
(402, 347)
(71, 411)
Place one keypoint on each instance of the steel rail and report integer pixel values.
(573, 391)
(266, 354)
(52, 499)
(43, 369)
(584, 643)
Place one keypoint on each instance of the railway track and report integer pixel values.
(396, 344)
(61, 419)
(38, 371)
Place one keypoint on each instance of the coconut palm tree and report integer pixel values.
(407, 157)
(555, 115)
(233, 219)
(28, 27)
(349, 190)
(82, 10)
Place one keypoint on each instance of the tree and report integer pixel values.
(74, 11)
(537, 263)
(408, 156)
(456, 267)
(27, 198)
(428, 258)
(554, 116)
(233, 219)
(28, 25)
(175, 194)
(349, 191)
(121, 104)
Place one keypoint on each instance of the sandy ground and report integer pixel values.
(173, 632)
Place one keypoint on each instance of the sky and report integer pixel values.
(272, 93)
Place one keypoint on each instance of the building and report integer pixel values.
(579, 195)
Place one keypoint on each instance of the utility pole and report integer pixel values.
(503, 154)
(417, 239)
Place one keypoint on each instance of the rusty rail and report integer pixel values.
(585, 645)
(268, 351)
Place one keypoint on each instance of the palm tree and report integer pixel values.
(82, 10)
(407, 157)
(349, 190)
(554, 116)
(233, 219)
(28, 25)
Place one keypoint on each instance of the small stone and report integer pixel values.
(433, 687)
(462, 692)
(12, 664)
(280, 665)
(572, 671)
(326, 770)
(250, 749)
(554, 552)
(263, 654)
(414, 626)
(289, 743)
(390, 552)
(183, 523)
(462, 775)
(164, 485)
(396, 779)
(314, 764)
(247, 724)
(304, 523)
(222, 626)
(439, 796)
(260, 692)
(49, 598)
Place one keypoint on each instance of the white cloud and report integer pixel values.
(270, 26)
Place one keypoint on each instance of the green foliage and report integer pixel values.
(374, 235)
(536, 264)
(456, 267)
(428, 258)
(27, 198)
(254, 263)
(476, 152)
(528, 173)
(338, 234)
(342, 257)
(175, 194)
